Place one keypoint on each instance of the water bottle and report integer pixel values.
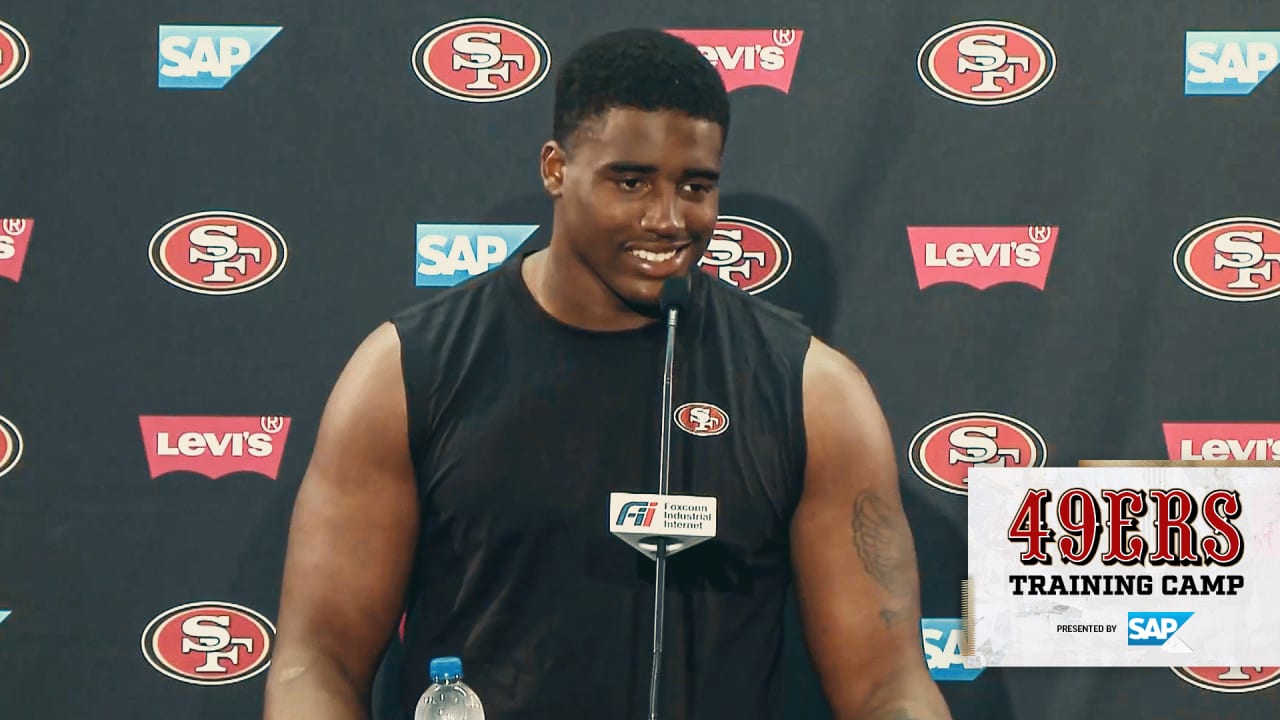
(448, 698)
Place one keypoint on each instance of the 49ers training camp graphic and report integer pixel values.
(209, 643)
(1235, 259)
(10, 446)
(218, 253)
(749, 57)
(214, 446)
(944, 451)
(14, 54)
(1240, 441)
(982, 256)
(986, 62)
(747, 254)
(15, 235)
(481, 60)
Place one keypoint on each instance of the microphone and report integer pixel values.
(660, 525)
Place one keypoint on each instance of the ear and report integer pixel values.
(552, 164)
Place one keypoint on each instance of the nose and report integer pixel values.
(662, 215)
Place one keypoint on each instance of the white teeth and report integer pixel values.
(653, 256)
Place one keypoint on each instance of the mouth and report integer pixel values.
(659, 263)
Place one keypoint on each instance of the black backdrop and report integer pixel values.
(335, 150)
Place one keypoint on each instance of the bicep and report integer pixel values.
(355, 519)
(856, 572)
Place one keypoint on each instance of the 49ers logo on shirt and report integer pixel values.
(15, 234)
(986, 62)
(1235, 259)
(1258, 441)
(481, 60)
(214, 446)
(209, 643)
(14, 54)
(10, 446)
(982, 256)
(749, 57)
(701, 419)
(218, 253)
(747, 254)
(944, 450)
(1230, 679)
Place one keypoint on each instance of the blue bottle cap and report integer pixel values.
(447, 668)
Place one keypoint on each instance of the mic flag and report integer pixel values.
(641, 519)
(675, 294)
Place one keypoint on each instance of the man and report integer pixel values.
(464, 462)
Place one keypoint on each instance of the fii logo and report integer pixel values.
(640, 512)
(206, 57)
(1229, 62)
(449, 254)
(943, 640)
(1155, 628)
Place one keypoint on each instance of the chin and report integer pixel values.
(639, 294)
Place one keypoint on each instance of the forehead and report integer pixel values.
(650, 135)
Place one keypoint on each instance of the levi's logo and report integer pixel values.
(15, 234)
(1223, 441)
(983, 256)
(749, 57)
(214, 446)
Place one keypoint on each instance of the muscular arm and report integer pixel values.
(351, 542)
(856, 575)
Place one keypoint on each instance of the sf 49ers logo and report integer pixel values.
(218, 253)
(944, 450)
(10, 446)
(747, 254)
(14, 54)
(209, 643)
(702, 419)
(986, 62)
(1230, 679)
(1232, 259)
(481, 60)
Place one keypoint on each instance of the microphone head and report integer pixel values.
(675, 294)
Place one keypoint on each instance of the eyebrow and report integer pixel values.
(641, 169)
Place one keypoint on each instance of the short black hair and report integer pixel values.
(637, 68)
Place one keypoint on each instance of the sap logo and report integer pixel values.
(449, 254)
(641, 512)
(1229, 63)
(943, 640)
(1155, 628)
(206, 57)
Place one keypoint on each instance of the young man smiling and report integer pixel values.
(464, 461)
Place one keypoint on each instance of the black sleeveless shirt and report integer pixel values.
(520, 428)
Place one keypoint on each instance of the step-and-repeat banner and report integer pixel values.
(1047, 231)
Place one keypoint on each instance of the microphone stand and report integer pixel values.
(664, 481)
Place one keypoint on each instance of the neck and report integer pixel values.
(569, 292)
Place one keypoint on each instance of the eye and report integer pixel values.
(631, 183)
(700, 188)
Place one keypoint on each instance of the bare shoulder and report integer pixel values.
(847, 438)
(836, 391)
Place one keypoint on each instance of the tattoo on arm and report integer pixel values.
(883, 541)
